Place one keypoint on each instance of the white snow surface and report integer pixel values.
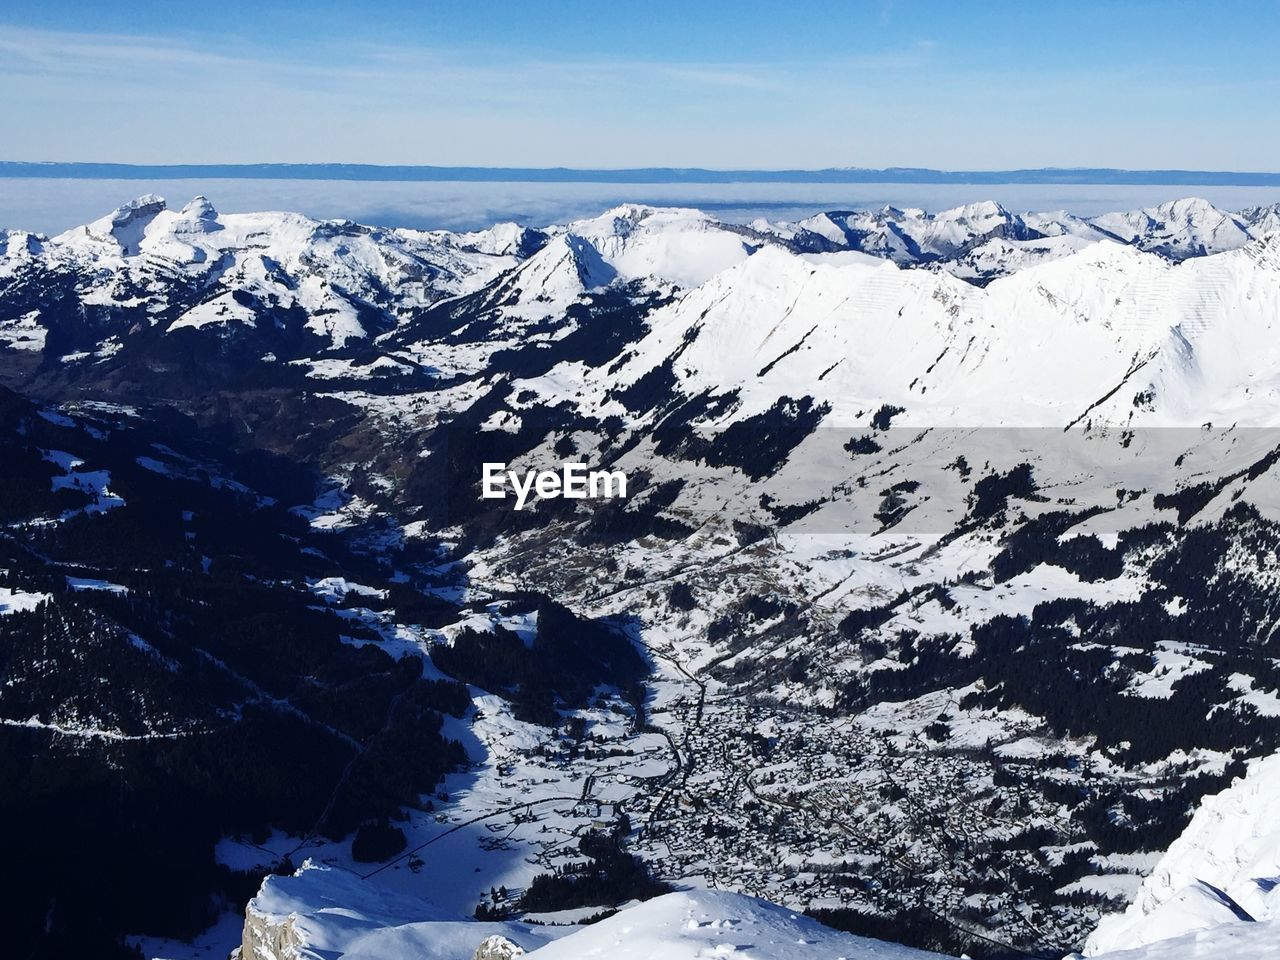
(19, 601)
(712, 924)
(325, 913)
(683, 247)
(322, 912)
(1223, 869)
(1228, 941)
(1054, 343)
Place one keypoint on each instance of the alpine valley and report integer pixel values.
(940, 616)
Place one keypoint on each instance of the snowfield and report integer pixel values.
(14, 600)
(324, 913)
(710, 923)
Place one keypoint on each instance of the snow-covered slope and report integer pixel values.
(683, 247)
(913, 236)
(706, 923)
(1224, 869)
(1261, 220)
(1049, 346)
(323, 913)
(1228, 941)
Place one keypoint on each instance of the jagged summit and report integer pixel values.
(148, 204)
(127, 224)
(1262, 221)
(1178, 229)
(199, 208)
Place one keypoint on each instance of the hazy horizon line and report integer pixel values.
(91, 170)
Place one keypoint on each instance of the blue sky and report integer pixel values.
(606, 84)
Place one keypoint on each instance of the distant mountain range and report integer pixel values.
(411, 172)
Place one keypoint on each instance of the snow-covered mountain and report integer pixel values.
(328, 283)
(311, 287)
(980, 241)
(684, 926)
(322, 913)
(1075, 338)
(1180, 229)
(1224, 869)
(944, 589)
(339, 300)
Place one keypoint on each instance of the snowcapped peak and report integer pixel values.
(627, 218)
(140, 210)
(198, 209)
(1176, 230)
(502, 239)
(124, 227)
(1196, 212)
(830, 226)
(671, 244)
(713, 923)
(195, 219)
(1188, 209)
(555, 276)
(890, 212)
(1105, 252)
(634, 212)
(637, 212)
(1262, 220)
(982, 210)
(618, 221)
(20, 243)
(149, 204)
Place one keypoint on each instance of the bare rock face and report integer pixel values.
(498, 948)
(268, 938)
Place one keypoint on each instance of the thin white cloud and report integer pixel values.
(134, 98)
(47, 55)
